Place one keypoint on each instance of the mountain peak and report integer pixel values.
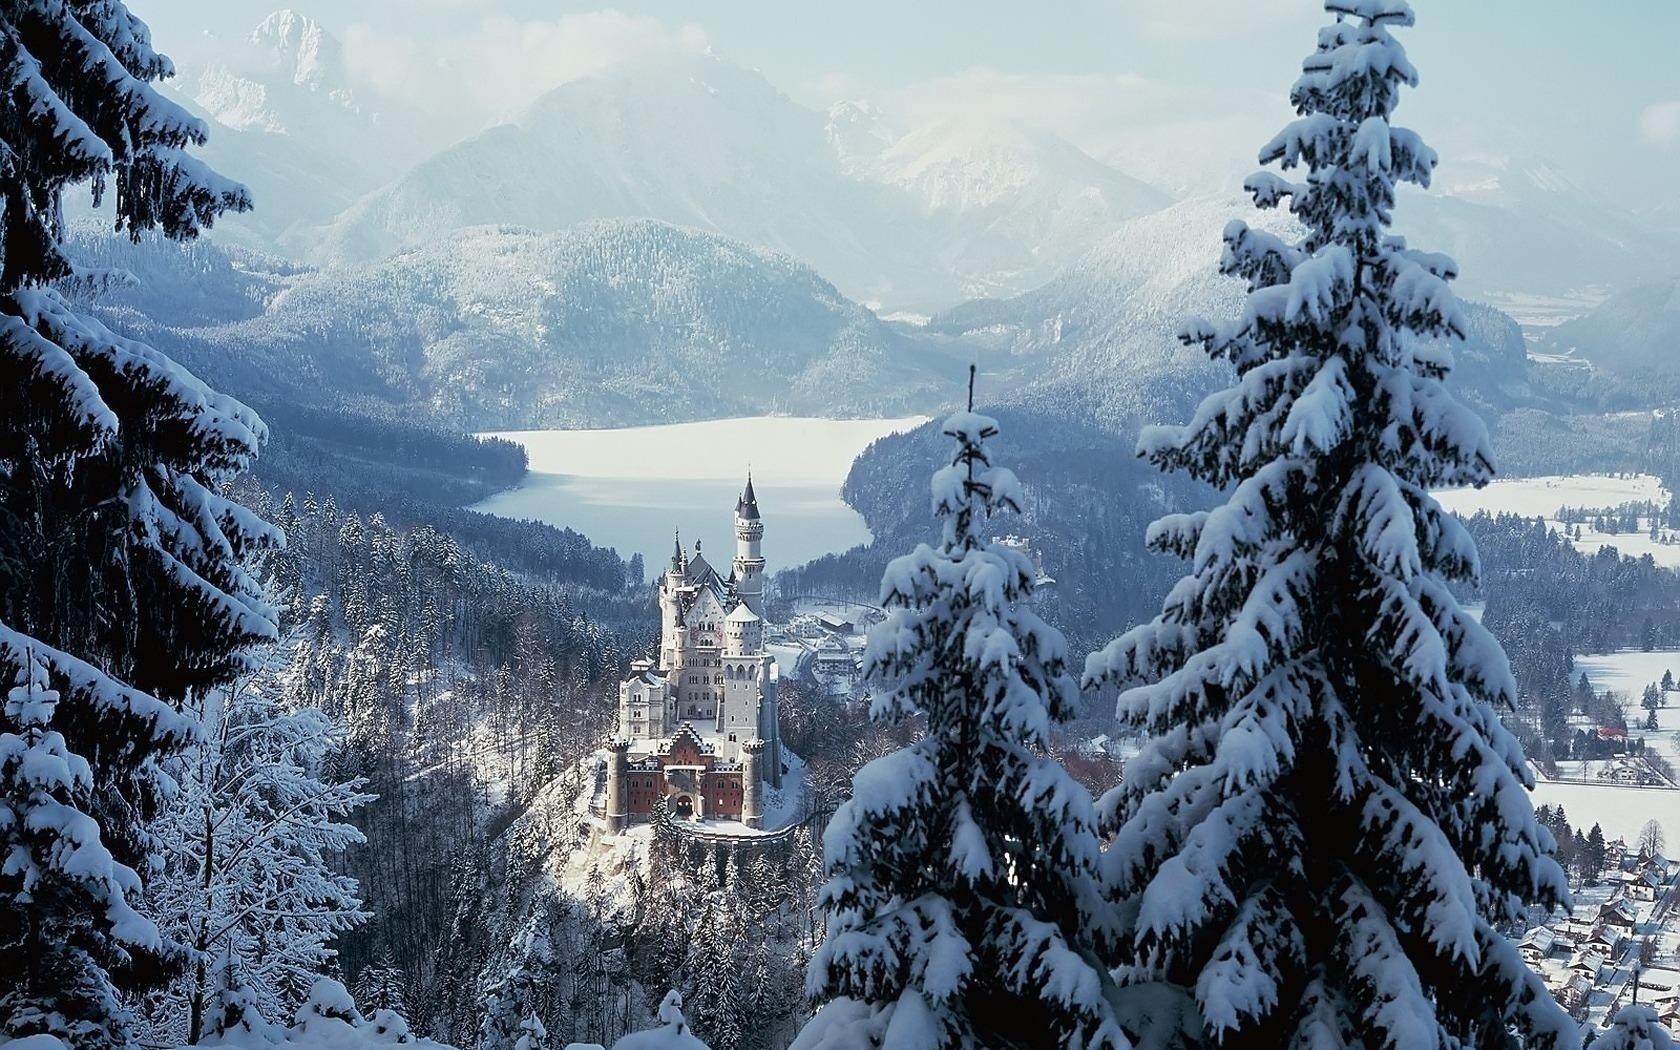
(297, 45)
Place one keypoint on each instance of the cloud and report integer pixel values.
(495, 65)
(1659, 123)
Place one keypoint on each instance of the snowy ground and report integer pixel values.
(1628, 673)
(631, 488)
(1622, 810)
(1542, 498)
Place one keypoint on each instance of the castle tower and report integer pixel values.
(670, 612)
(749, 559)
(752, 788)
(618, 764)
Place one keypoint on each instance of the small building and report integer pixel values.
(1537, 945)
(1575, 992)
(1669, 1014)
(1644, 886)
(1587, 963)
(1620, 914)
(1606, 940)
(837, 624)
(1659, 984)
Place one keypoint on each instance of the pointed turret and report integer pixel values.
(677, 558)
(746, 507)
(748, 564)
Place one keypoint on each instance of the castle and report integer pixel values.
(699, 727)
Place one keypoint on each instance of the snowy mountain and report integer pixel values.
(612, 322)
(287, 121)
(692, 141)
(1006, 205)
(916, 221)
(1633, 337)
(286, 51)
(1100, 338)
(1524, 234)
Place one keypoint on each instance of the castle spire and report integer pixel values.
(747, 506)
(677, 554)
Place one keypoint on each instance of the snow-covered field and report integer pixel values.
(1628, 673)
(631, 488)
(1542, 498)
(1623, 810)
(1620, 810)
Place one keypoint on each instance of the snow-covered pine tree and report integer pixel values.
(1636, 1027)
(249, 844)
(963, 894)
(68, 900)
(672, 1033)
(121, 565)
(380, 986)
(514, 1002)
(1329, 819)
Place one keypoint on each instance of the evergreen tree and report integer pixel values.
(1329, 822)
(1636, 1028)
(122, 578)
(962, 873)
(68, 898)
(249, 843)
(1592, 862)
(514, 1002)
(380, 986)
(672, 1032)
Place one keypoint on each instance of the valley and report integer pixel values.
(508, 352)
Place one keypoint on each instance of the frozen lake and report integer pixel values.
(630, 488)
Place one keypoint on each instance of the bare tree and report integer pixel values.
(1651, 841)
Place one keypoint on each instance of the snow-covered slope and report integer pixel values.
(1006, 204)
(1522, 230)
(612, 322)
(287, 121)
(1101, 336)
(694, 141)
(1103, 330)
(1633, 336)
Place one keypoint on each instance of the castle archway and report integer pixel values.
(684, 807)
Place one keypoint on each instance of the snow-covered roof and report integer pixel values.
(742, 614)
(699, 570)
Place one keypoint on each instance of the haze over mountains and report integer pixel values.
(662, 222)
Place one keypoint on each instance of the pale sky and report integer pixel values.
(1173, 90)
